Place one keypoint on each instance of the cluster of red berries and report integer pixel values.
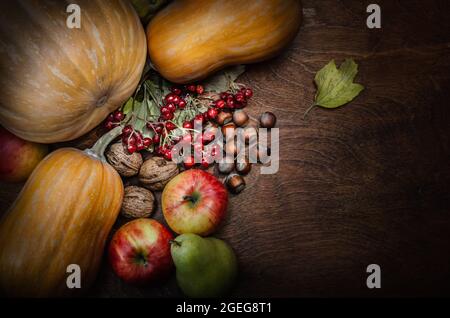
(176, 99)
(234, 101)
(199, 148)
(134, 141)
(114, 119)
(227, 101)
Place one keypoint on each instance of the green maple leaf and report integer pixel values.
(335, 87)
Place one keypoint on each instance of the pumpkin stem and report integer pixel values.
(98, 150)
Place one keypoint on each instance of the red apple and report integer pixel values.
(18, 157)
(194, 202)
(139, 252)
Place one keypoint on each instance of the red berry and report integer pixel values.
(239, 97)
(224, 95)
(170, 126)
(138, 139)
(127, 130)
(248, 93)
(230, 102)
(188, 125)
(182, 104)
(189, 162)
(168, 116)
(109, 125)
(176, 99)
(199, 118)
(168, 154)
(156, 139)
(147, 142)
(199, 89)
(169, 98)
(176, 90)
(158, 129)
(191, 87)
(212, 113)
(171, 107)
(118, 116)
(140, 146)
(220, 103)
(131, 148)
(165, 110)
(131, 140)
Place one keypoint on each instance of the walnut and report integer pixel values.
(137, 202)
(126, 165)
(156, 172)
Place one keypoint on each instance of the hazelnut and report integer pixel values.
(240, 118)
(235, 183)
(243, 167)
(231, 148)
(225, 167)
(127, 165)
(229, 130)
(137, 202)
(156, 172)
(224, 118)
(250, 133)
(268, 120)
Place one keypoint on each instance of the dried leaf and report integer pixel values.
(222, 81)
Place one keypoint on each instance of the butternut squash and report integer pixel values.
(190, 39)
(62, 216)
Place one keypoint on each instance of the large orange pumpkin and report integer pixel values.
(190, 39)
(62, 217)
(58, 83)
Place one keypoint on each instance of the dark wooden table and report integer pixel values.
(366, 183)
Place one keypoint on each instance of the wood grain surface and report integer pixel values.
(366, 183)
